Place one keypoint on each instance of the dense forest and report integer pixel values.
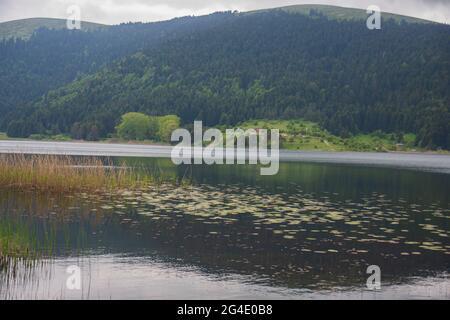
(231, 68)
(53, 58)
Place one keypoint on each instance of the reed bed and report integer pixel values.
(65, 174)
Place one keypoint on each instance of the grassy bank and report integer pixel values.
(65, 174)
(305, 135)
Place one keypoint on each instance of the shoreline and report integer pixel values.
(418, 161)
(156, 144)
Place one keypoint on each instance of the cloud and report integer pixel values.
(116, 11)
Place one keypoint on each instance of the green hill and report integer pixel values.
(227, 68)
(24, 28)
(341, 13)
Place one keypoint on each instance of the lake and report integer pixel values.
(225, 232)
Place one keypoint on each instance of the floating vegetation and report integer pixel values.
(317, 224)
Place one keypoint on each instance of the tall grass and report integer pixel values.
(15, 240)
(64, 174)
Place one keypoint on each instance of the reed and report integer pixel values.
(65, 174)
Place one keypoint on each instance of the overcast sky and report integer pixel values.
(116, 11)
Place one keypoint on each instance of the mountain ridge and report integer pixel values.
(343, 13)
(24, 28)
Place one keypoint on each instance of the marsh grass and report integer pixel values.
(66, 174)
(19, 250)
(15, 241)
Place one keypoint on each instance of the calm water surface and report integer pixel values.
(309, 232)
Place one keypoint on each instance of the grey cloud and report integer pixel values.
(116, 11)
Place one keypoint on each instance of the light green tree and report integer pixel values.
(167, 124)
(153, 128)
(134, 126)
(139, 126)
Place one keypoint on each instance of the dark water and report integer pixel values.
(309, 232)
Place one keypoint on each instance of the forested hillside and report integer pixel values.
(52, 58)
(266, 65)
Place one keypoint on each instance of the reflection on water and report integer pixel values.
(309, 232)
